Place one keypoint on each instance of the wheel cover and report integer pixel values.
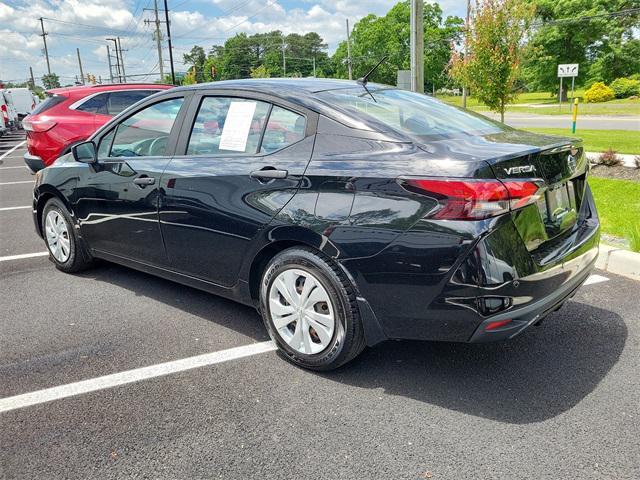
(301, 311)
(57, 236)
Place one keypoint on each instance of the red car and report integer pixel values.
(72, 114)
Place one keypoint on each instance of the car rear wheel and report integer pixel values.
(309, 308)
(61, 239)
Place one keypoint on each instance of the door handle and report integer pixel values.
(269, 172)
(144, 181)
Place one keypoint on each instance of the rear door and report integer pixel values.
(117, 202)
(242, 158)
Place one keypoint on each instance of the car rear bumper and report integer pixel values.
(438, 283)
(34, 163)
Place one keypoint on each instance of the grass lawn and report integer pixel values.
(622, 141)
(548, 105)
(618, 203)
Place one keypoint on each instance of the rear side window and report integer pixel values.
(146, 133)
(284, 128)
(227, 126)
(50, 102)
(118, 101)
(96, 104)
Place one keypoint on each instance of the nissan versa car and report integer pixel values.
(346, 212)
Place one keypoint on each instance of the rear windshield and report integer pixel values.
(411, 113)
(50, 102)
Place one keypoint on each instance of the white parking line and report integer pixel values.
(24, 255)
(130, 376)
(16, 183)
(14, 148)
(595, 279)
(11, 168)
(4, 209)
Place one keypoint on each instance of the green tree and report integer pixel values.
(494, 40)
(579, 31)
(196, 59)
(51, 80)
(374, 37)
(260, 72)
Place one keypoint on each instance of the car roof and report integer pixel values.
(91, 89)
(275, 86)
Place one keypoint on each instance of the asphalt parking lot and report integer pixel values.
(561, 401)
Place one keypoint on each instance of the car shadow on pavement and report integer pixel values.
(536, 376)
(232, 315)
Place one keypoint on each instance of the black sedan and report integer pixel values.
(347, 212)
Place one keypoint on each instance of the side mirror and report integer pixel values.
(85, 152)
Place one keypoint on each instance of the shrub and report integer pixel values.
(609, 158)
(598, 92)
(625, 87)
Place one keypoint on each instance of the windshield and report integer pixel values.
(412, 113)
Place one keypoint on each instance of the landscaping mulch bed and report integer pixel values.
(621, 173)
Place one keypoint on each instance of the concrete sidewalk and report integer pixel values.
(617, 260)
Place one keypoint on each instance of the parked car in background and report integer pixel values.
(70, 115)
(9, 112)
(346, 213)
(23, 99)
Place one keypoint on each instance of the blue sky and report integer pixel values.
(85, 24)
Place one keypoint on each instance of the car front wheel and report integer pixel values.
(309, 308)
(61, 239)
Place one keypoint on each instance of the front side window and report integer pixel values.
(118, 101)
(105, 144)
(227, 125)
(284, 128)
(145, 134)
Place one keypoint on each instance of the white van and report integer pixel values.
(22, 99)
(8, 112)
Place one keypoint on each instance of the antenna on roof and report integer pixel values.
(365, 79)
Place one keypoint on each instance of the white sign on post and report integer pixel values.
(568, 70)
(236, 126)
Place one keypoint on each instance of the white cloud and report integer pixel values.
(192, 23)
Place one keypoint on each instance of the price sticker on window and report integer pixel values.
(236, 126)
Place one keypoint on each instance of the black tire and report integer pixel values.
(78, 259)
(348, 336)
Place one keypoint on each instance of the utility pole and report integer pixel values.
(166, 17)
(44, 39)
(110, 67)
(157, 35)
(284, 59)
(124, 75)
(466, 41)
(80, 65)
(417, 46)
(115, 44)
(33, 81)
(349, 52)
(100, 79)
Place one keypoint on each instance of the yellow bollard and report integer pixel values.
(575, 115)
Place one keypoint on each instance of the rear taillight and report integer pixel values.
(5, 115)
(33, 125)
(472, 199)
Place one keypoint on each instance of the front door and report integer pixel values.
(118, 204)
(244, 159)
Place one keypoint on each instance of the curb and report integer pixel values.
(616, 260)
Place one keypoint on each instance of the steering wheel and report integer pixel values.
(156, 143)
